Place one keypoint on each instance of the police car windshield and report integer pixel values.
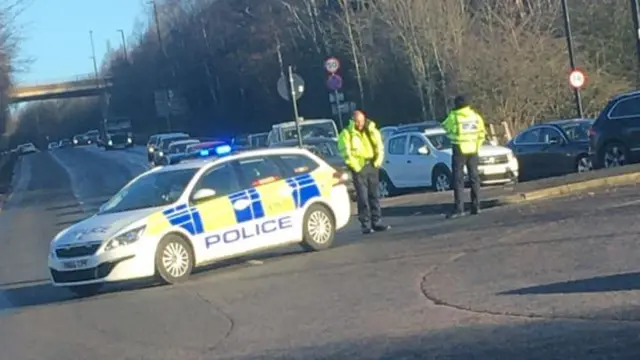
(151, 190)
(440, 141)
(315, 130)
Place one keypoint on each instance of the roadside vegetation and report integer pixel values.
(402, 61)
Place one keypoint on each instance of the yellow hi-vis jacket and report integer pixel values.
(358, 147)
(465, 128)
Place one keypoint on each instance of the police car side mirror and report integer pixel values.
(423, 150)
(204, 194)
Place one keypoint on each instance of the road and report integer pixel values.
(557, 279)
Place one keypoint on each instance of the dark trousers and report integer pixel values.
(459, 160)
(366, 183)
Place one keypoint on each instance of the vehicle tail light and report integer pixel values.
(341, 177)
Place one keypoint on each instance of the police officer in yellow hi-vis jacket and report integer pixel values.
(467, 132)
(361, 146)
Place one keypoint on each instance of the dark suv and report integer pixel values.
(615, 135)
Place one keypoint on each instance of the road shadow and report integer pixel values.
(432, 209)
(617, 282)
(530, 340)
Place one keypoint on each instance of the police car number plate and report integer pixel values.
(75, 264)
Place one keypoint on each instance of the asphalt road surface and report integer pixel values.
(550, 280)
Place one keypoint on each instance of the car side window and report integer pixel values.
(626, 108)
(548, 135)
(296, 164)
(529, 137)
(259, 170)
(415, 143)
(221, 178)
(397, 145)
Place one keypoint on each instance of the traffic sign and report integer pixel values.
(334, 82)
(283, 87)
(577, 79)
(332, 65)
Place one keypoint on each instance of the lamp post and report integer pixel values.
(124, 45)
(93, 57)
(572, 61)
(636, 31)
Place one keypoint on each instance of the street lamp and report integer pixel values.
(124, 45)
(93, 57)
(572, 61)
(636, 32)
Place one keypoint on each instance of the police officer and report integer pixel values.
(465, 127)
(361, 146)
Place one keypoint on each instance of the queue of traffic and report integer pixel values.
(205, 200)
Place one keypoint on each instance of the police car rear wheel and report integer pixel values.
(319, 229)
(174, 260)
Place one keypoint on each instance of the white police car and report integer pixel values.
(171, 219)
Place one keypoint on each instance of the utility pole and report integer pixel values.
(124, 45)
(163, 60)
(93, 57)
(636, 31)
(572, 61)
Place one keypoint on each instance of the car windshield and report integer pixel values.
(313, 130)
(180, 148)
(323, 149)
(167, 142)
(151, 190)
(440, 141)
(578, 131)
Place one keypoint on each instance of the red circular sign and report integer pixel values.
(577, 78)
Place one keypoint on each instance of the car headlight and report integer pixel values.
(129, 140)
(125, 238)
(161, 154)
(150, 149)
(110, 142)
(511, 157)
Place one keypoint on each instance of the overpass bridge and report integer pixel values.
(79, 86)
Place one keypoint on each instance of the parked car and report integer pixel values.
(553, 149)
(415, 159)
(615, 134)
(65, 143)
(80, 140)
(177, 151)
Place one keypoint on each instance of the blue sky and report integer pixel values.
(56, 34)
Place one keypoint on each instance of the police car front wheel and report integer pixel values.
(174, 259)
(319, 229)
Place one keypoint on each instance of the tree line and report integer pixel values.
(10, 61)
(402, 61)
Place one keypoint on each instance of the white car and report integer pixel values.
(27, 148)
(172, 219)
(416, 159)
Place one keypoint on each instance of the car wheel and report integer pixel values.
(583, 164)
(319, 228)
(385, 186)
(614, 155)
(85, 290)
(441, 179)
(174, 259)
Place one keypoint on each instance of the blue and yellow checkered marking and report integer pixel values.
(185, 217)
(254, 211)
(304, 189)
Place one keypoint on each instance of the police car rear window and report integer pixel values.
(298, 164)
(257, 171)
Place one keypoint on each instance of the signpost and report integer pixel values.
(577, 79)
(334, 83)
(332, 65)
(292, 89)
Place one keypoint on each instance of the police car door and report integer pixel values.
(216, 234)
(266, 210)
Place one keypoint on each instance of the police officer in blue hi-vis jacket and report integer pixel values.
(466, 129)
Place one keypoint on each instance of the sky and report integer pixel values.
(56, 35)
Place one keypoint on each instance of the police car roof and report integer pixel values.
(197, 163)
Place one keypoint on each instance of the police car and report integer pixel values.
(171, 219)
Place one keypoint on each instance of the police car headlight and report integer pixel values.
(125, 238)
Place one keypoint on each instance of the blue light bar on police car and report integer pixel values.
(222, 150)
